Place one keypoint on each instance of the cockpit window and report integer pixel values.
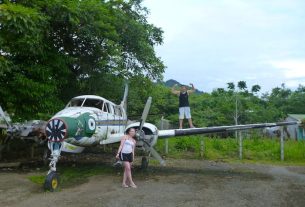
(76, 102)
(97, 103)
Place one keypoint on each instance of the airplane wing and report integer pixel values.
(4, 120)
(149, 140)
(218, 129)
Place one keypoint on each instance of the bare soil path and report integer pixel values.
(180, 183)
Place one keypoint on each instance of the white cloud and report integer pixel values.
(211, 43)
(292, 69)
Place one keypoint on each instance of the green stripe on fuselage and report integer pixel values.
(77, 126)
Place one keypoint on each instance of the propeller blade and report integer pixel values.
(155, 154)
(145, 113)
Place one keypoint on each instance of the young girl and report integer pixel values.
(126, 154)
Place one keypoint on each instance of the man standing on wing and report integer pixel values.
(184, 106)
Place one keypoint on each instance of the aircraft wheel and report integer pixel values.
(144, 163)
(52, 182)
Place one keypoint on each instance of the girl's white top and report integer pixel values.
(128, 146)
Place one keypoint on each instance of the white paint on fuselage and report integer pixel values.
(110, 120)
(74, 112)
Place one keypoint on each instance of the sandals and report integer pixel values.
(126, 186)
(133, 186)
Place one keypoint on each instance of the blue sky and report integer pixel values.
(210, 43)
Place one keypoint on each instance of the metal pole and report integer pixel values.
(166, 140)
(282, 144)
(240, 146)
(236, 115)
(201, 147)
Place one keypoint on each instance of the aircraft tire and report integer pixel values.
(52, 182)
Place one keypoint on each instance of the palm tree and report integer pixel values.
(255, 88)
(231, 86)
(242, 85)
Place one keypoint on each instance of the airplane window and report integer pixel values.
(105, 109)
(117, 111)
(99, 104)
(96, 103)
(76, 102)
(120, 112)
(110, 108)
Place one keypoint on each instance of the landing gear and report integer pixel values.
(52, 182)
(144, 163)
(56, 131)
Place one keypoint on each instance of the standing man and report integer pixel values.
(184, 106)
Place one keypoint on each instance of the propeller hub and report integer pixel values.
(140, 134)
(56, 130)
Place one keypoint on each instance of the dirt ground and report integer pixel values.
(180, 183)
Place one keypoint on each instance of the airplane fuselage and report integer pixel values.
(86, 121)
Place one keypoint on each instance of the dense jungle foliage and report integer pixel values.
(52, 50)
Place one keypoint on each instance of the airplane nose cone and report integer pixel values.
(56, 130)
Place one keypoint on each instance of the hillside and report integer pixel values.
(171, 82)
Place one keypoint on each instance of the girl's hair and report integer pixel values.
(128, 130)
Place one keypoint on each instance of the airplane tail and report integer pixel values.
(124, 101)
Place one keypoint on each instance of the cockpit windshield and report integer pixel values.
(76, 102)
(97, 103)
(88, 102)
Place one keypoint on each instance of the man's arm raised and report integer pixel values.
(192, 90)
(174, 91)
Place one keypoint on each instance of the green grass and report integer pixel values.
(255, 150)
(264, 150)
(38, 179)
(71, 176)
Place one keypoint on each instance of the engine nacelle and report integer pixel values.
(149, 134)
(62, 127)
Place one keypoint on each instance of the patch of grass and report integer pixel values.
(294, 151)
(255, 150)
(38, 179)
(263, 150)
(71, 176)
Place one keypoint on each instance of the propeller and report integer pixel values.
(154, 153)
(141, 133)
(145, 113)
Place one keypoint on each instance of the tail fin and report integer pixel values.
(124, 101)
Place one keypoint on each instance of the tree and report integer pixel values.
(242, 85)
(52, 50)
(255, 88)
(296, 101)
(231, 86)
